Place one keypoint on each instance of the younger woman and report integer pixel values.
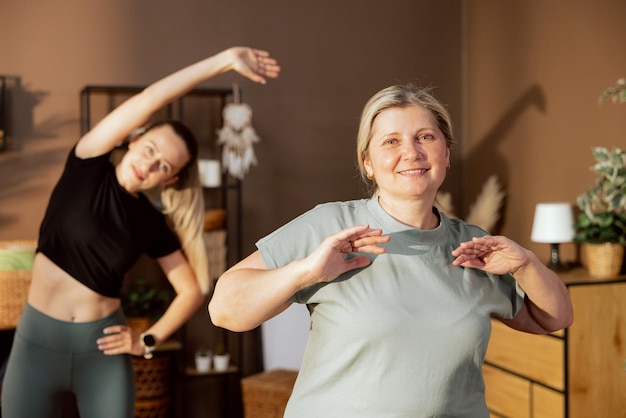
(72, 336)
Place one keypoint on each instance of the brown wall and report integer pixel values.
(334, 56)
(527, 74)
(535, 71)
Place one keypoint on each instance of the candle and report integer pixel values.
(210, 173)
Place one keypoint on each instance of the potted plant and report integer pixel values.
(202, 359)
(221, 358)
(143, 304)
(616, 93)
(601, 223)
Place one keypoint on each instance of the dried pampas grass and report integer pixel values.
(485, 212)
(443, 202)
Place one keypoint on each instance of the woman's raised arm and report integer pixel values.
(254, 64)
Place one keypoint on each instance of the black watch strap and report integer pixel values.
(149, 344)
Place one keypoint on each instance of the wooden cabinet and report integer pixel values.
(578, 372)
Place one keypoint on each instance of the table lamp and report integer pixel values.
(553, 224)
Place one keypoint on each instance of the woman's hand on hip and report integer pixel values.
(120, 339)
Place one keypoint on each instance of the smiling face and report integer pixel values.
(152, 160)
(407, 155)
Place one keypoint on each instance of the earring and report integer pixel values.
(370, 175)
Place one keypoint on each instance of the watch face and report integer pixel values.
(148, 340)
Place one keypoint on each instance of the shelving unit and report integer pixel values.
(201, 110)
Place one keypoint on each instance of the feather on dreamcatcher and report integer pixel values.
(237, 137)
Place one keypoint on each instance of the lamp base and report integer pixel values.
(559, 267)
(555, 263)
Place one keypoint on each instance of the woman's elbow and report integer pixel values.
(224, 318)
(219, 316)
(565, 320)
(568, 319)
(215, 315)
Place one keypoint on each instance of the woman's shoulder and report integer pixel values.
(340, 206)
(343, 212)
(75, 159)
(324, 218)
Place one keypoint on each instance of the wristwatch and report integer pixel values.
(149, 344)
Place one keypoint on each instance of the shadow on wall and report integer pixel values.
(486, 153)
(25, 170)
(21, 104)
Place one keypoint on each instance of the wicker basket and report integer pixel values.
(265, 395)
(15, 275)
(152, 376)
(152, 408)
(604, 261)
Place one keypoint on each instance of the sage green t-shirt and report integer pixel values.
(403, 337)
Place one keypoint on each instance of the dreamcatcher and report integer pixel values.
(237, 137)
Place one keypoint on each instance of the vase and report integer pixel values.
(604, 261)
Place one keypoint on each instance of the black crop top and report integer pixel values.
(95, 230)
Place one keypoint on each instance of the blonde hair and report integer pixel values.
(183, 204)
(397, 96)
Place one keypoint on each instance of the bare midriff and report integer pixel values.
(60, 296)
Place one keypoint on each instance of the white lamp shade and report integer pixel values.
(553, 223)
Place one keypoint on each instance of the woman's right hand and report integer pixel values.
(328, 261)
(120, 339)
(255, 64)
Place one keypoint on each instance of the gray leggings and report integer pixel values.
(51, 358)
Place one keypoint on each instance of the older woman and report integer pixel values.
(400, 295)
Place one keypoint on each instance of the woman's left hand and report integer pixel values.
(120, 339)
(493, 254)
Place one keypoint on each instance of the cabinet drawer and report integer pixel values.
(537, 357)
(506, 394)
(547, 403)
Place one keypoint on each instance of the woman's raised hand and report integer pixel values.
(255, 64)
(328, 261)
(493, 254)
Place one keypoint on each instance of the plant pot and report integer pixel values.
(220, 362)
(604, 261)
(203, 362)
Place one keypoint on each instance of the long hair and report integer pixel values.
(183, 204)
(397, 96)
